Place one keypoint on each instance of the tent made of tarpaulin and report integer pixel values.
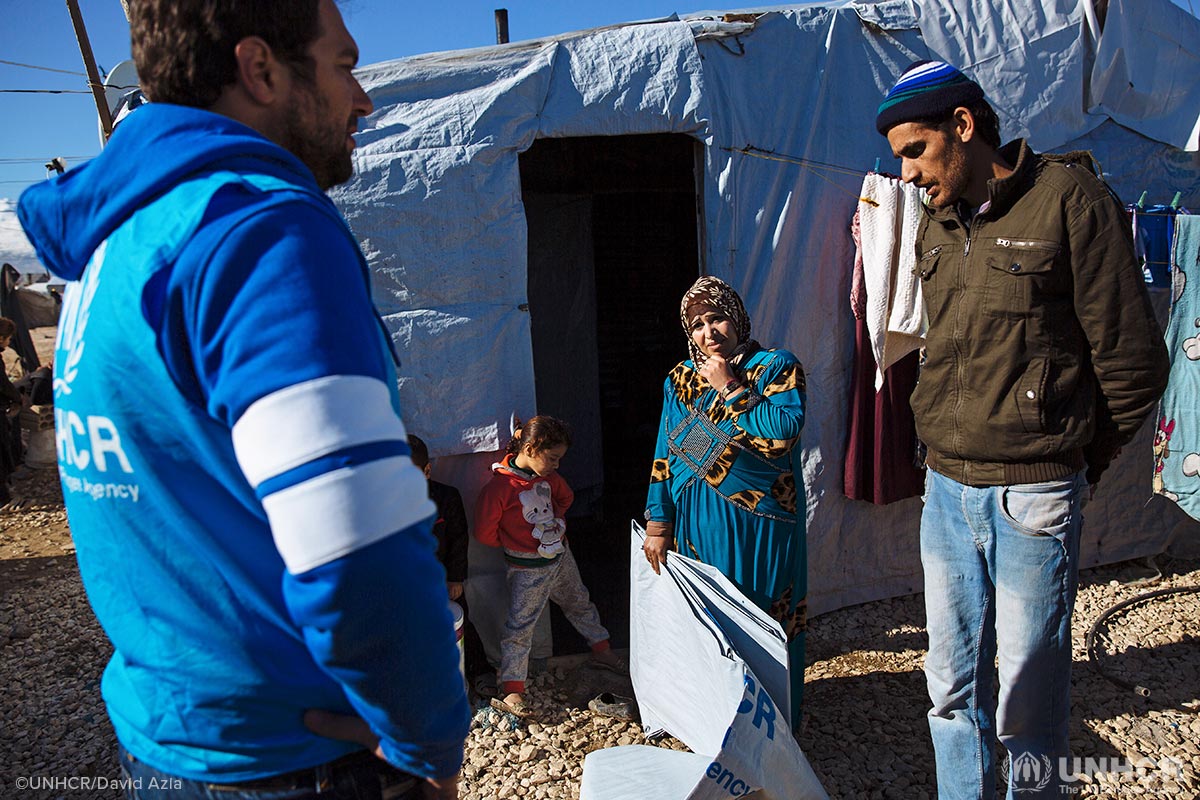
(15, 248)
(521, 208)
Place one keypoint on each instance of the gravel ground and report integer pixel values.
(864, 729)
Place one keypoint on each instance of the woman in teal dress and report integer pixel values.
(723, 489)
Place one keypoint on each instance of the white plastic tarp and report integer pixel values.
(1032, 58)
(1145, 71)
(437, 203)
(710, 668)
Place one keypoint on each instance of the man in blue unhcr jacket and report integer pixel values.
(250, 529)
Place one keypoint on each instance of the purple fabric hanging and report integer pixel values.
(881, 435)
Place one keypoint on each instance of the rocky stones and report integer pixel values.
(864, 729)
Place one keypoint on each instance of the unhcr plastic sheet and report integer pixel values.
(710, 668)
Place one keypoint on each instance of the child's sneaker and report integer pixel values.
(613, 705)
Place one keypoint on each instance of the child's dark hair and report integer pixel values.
(420, 452)
(541, 433)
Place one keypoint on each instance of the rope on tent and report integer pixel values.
(812, 166)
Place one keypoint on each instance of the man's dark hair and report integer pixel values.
(184, 48)
(986, 121)
(420, 452)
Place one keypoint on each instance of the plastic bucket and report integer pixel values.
(459, 618)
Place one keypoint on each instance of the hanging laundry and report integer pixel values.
(1153, 230)
(895, 310)
(881, 465)
(1177, 432)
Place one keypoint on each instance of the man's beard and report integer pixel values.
(316, 139)
(956, 175)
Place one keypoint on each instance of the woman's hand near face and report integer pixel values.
(717, 372)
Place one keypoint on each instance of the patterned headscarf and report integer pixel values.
(716, 293)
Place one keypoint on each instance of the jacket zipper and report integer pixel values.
(958, 355)
(1027, 244)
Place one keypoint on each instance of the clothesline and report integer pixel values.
(809, 164)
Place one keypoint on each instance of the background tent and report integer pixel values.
(15, 248)
(532, 213)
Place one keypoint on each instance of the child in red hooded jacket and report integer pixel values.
(521, 509)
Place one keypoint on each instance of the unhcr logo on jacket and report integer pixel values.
(85, 442)
(77, 304)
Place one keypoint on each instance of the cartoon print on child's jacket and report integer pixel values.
(539, 510)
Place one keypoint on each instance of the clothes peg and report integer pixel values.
(1141, 203)
(1175, 202)
(877, 169)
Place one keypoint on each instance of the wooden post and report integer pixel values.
(89, 63)
(501, 26)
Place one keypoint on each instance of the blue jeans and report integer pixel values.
(357, 777)
(1001, 569)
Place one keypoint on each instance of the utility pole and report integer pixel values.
(89, 63)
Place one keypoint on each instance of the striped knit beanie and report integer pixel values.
(926, 89)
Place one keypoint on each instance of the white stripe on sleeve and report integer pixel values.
(308, 420)
(340, 512)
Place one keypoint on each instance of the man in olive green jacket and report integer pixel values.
(1043, 358)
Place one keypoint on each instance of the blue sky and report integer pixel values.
(37, 127)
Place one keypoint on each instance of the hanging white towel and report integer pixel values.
(907, 315)
(895, 309)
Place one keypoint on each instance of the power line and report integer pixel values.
(39, 161)
(46, 69)
(44, 91)
(69, 91)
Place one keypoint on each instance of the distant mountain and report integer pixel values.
(15, 249)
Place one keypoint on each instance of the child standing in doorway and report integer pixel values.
(521, 509)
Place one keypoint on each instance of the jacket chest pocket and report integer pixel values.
(926, 270)
(1020, 274)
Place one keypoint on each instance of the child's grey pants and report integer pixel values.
(529, 589)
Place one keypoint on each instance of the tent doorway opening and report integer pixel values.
(614, 241)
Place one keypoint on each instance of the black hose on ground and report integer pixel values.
(1137, 689)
